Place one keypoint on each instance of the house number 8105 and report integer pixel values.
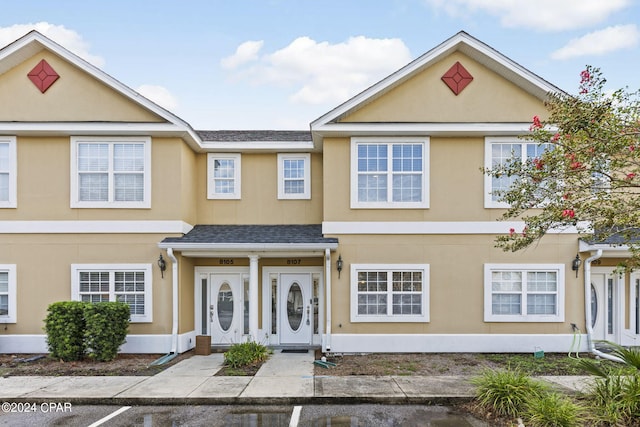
(225, 261)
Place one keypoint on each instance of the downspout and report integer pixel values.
(587, 308)
(327, 275)
(174, 280)
(174, 329)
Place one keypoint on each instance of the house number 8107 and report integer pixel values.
(294, 261)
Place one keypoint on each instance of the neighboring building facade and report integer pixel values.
(372, 232)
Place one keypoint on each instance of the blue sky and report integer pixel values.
(280, 64)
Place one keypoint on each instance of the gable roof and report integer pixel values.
(34, 42)
(461, 42)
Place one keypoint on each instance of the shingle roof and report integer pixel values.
(254, 135)
(259, 234)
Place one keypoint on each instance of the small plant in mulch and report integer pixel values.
(244, 359)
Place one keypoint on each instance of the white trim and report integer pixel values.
(524, 268)
(389, 141)
(390, 317)
(111, 203)
(33, 42)
(430, 227)
(454, 343)
(12, 201)
(237, 175)
(12, 315)
(421, 129)
(112, 268)
(258, 146)
(462, 42)
(631, 336)
(306, 193)
(136, 343)
(89, 227)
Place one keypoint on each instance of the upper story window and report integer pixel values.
(389, 172)
(524, 293)
(294, 176)
(500, 151)
(223, 176)
(389, 293)
(8, 293)
(129, 283)
(8, 179)
(110, 172)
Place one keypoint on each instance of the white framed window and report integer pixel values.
(499, 151)
(524, 293)
(389, 293)
(130, 283)
(294, 176)
(111, 172)
(389, 172)
(8, 293)
(223, 176)
(8, 172)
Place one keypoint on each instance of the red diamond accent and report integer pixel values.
(43, 76)
(457, 78)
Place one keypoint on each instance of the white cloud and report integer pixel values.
(246, 52)
(65, 37)
(160, 95)
(600, 42)
(321, 72)
(542, 15)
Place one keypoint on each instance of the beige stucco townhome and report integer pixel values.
(373, 231)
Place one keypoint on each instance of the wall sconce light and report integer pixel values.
(339, 265)
(575, 264)
(162, 264)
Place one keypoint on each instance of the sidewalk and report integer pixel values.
(286, 378)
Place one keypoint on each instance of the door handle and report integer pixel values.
(211, 313)
(308, 308)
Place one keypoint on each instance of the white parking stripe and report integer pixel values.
(295, 416)
(108, 417)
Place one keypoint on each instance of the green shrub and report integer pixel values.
(244, 354)
(506, 392)
(65, 327)
(553, 410)
(107, 324)
(615, 398)
(74, 328)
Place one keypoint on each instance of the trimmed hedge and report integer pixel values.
(75, 329)
(65, 327)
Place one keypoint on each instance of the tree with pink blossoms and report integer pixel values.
(588, 177)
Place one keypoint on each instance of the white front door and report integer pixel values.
(604, 306)
(225, 309)
(296, 309)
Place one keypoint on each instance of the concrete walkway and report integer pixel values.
(286, 378)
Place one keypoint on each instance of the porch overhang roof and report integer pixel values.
(264, 240)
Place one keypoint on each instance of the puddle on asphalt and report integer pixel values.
(257, 420)
(347, 421)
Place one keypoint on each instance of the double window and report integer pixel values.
(8, 293)
(110, 172)
(524, 293)
(130, 283)
(223, 176)
(499, 151)
(389, 293)
(389, 172)
(8, 180)
(294, 176)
